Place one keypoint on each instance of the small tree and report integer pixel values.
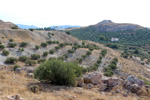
(66, 56)
(11, 40)
(23, 44)
(58, 72)
(57, 47)
(88, 53)
(12, 45)
(15, 27)
(102, 38)
(5, 52)
(15, 67)
(51, 51)
(2, 47)
(35, 56)
(11, 60)
(23, 58)
(45, 54)
(83, 42)
(37, 47)
(30, 62)
(71, 51)
(68, 32)
(43, 44)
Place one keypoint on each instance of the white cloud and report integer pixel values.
(74, 12)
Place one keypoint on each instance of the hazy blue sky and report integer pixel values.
(75, 12)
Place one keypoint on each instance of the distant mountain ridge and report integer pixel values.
(26, 26)
(62, 27)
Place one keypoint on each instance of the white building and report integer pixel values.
(114, 39)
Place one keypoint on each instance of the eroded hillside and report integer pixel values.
(126, 79)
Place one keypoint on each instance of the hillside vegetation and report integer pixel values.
(127, 35)
(53, 65)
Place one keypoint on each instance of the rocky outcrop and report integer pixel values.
(135, 80)
(94, 78)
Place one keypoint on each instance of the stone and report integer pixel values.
(103, 87)
(18, 70)
(117, 90)
(30, 75)
(135, 80)
(113, 81)
(94, 78)
(89, 86)
(30, 70)
(80, 82)
(16, 97)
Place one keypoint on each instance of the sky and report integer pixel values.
(44, 13)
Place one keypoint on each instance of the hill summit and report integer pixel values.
(6, 24)
(109, 26)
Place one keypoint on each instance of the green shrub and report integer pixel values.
(90, 69)
(66, 56)
(83, 42)
(31, 29)
(0, 42)
(84, 56)
(61, 45)
(79, 60)
(30, 62)
(15, 27)
(68, 32)
(11, 40)
(23, 58)
(107, 68)
(45, 54)
(34, 88)
(11, 60)
(41, 60)
(43, 44)
(71, 51)
(61, 58)
(2, 47)
(15, 67)
(23, 44)
(104, 52)
(37, 47)
(142, 63)
(5, 52)
(74, 47)
(35, 56)
(58, 72)
(57, 47)
(51, 51)
(88, 53)
(49, 42)
(12, 45)
(91, 48)
(96, 64)
(112, 66)
(108, 73)
(115, 59)
(99, 61)
(21, 49)
(100, 57)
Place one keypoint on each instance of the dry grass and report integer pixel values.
(12, 84)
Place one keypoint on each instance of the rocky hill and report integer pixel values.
(129, 79)
(6, 24)
(109, 26)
